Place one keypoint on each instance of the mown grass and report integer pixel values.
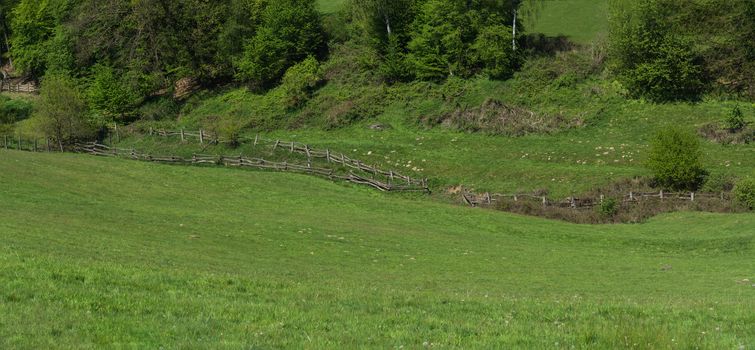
(112, 253)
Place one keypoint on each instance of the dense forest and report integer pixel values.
(129, 60)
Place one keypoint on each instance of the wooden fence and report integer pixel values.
(489, 199)
(29, 88)
(259, 163)
(389, 176)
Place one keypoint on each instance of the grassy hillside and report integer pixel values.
(582, 21)
(98, 252)
(330, 6)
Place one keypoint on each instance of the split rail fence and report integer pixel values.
(389, 176)
(489, 199)
(247, 162)
(29, 88)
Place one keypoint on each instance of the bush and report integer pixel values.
(735, 121)
(718, 182)
(744, 192)
(62, 113)
(675, 160)
(608, 208)
(494, 52)
(300, 80)
(12, 111)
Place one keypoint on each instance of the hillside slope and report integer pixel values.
(98, 252)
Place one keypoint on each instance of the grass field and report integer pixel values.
(581, 20)
(103, 252)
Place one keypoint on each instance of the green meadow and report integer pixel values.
(99, 252)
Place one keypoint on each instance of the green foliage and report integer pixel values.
(438, 49)
(110, 94)
(608, 208)
(735, 121)
(14, 110)
(300, 81)
(649, 58)
(718, 182)
(494, 52)
(39, 39)
(61, 112)
(675, 159)
(744, 192)
(289, 32)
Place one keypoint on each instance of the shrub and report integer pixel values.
(300, 80)
(62, 113)
(675, 160)
(744, 192)
(735, 121)
(608, 208)
(494, 52)
(718, 182)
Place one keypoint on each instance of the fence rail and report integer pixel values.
(241, 161)
(30, 88)
(293, 147)
(489, 199)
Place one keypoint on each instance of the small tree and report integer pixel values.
(735, 121)
(61, 112)
(300, 80)
(744, 192)
(675, 160)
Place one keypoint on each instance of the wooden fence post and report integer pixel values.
(661, 195)
(117, 135)
(692, 196)
(631, 196)
(183, 138)
(515, 198)
(544, 202)
(276, 144)
(327, 155)
(601, 199)
(150, 131)
(256, 138)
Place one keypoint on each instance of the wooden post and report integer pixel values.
(276, 144)
(601, 199)
(692, 196)
(661, 195)
(343, 159)
(390, 174)
(631, 196)
(150, 131)
(515, 198)
(201, 136)
(487, 197)
(117, 135)
(183, 138)
(292, 146)
(327, 155)
(256, 138)
(544, 202)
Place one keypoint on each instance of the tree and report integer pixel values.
(675, 159)
(649, 57)
(39, 39)
(61, 112)
(290, 31)
(494, 53)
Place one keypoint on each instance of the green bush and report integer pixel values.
(744, 192)
(675, 160)
(61, 112)
(608, 208)
(735, 121)
(12, 110)
(718, 182)
(300, 80)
